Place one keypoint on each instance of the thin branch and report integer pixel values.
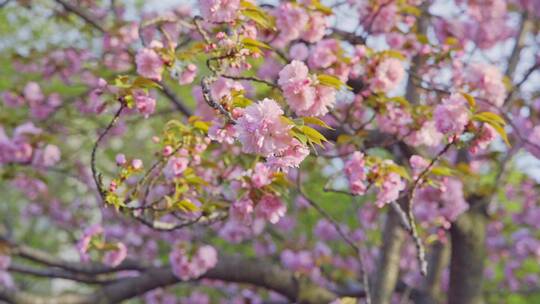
(72, 8)
(94, 23)
(206, 82)
(45, 258)
(518, 46)
(344, 236)
(95, 174)
(420, 250)
(176, 102)
(251, 78)
(57, 273)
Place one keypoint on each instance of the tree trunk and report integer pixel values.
(388, 264)
(468, 253)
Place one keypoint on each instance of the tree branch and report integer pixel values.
(253, 271)
(94, 23)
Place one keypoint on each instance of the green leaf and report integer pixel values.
(490, 116)
(344, 139)
(196, 180)
(260, 17)
(494, 120)
(145, 83)
(348, 300)
(501, 131)
(452, 41)
(321, 8)
(332, 81)
(122, 82)
(470, 100)
(313, 135)
(423, 39)
(399, 170)
(186, 206)
(316, 121)
(400, 100)
(301, 137)
(287, 120)
(411, 10)
(241, 101)
(201, 125)
(392, 54)
(252, 42)
(114, 200)
(444, 171)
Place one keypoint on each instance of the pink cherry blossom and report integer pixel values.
(137, 164)
(242, 210)
(388, 75)
(325, 231)
(380, 18)
(389, 191)
(299, 51)
(489, 82)
(451, 116)
(355, 171)
(175, 167)
(114, 257)
(84, 243)
(395, 120)
(185, 268)
(418, 164)
(261, 129)
(149, 64)
(444, 204)
(291, 157)
(188, 74)
(271, 208)
(145, 104)
(12, 99)
(235, 232)
(296, 85)
(316, 27)
(219, 10)
(205, 258)
(47, 157)
(292, 20)
(324, 54)
(120, 159)
(427, 135)
(325, 99)
(301, 261)
(486, 135)
(32, 92)
(261, 176)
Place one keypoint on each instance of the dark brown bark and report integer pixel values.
(468, 253)
(235, 269)
(430, 292)
(388, 264)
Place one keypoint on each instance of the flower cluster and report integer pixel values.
(186, 266)
(304, 96)
(296, 23)
(22, 147)
(452, 115)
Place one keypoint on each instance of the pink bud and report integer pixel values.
(120, 159)
(137, 164)
(167, 150)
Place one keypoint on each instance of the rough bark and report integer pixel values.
(229, 269)
(431, 288)
(468, 253)
(388, 263)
